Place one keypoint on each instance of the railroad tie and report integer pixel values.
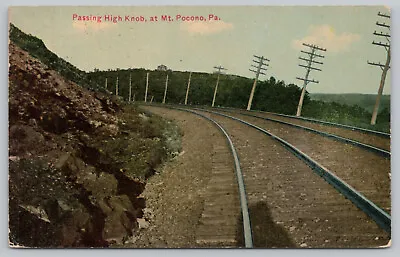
(218, 224)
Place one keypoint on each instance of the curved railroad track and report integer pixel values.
(224, 197)
(373, 138)
(333, 124)
(372, 148)
(289, 204)
(223, 177)
(364, 170)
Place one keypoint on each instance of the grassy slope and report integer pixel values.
(366, 101)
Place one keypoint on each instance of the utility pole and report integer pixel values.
(165, 91)
(260, 60)
(219, 68)
(310, 60)
(106, 83)
(130, 86)
(187, 89)
(116, 87)
(147, 87)
(385, 67)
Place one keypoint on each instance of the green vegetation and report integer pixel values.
(366, 101)
(350, 115)
(271, 95)
(142, 145)
(351, 109)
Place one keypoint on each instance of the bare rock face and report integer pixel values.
(57, 104)
(44, 210)
(60, 196)
(28, 228)
(24, 139)
(120, 220)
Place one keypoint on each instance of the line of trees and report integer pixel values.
(271, 95)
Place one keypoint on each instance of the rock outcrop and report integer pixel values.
(66, 189)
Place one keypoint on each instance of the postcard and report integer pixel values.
(199, 127)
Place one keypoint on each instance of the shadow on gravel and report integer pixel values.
(266, 233)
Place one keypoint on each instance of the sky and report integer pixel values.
(230, 38)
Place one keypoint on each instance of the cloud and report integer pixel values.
(85, 26)
(325, 36)
(205, 27)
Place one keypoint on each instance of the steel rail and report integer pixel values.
(368, 147)
(332, 124)
(248, 238)
(371, 209)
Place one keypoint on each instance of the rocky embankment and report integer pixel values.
(78, 160)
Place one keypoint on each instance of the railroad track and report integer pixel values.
(224, 197)
(311, 120)
(365, 146)
(373, 138)
(290, 206)
(369, 131)
(365, 171)
(220, 190)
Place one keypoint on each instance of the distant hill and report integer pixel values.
(366, 101)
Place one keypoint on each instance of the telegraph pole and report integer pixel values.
(130, 86)
(310, 60)
(187, 89)
(147, 87)
(165, 91)
(219, 68)
(116, 87)
(385, 67)
(260, 60)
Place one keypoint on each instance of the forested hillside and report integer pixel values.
(272, 94)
